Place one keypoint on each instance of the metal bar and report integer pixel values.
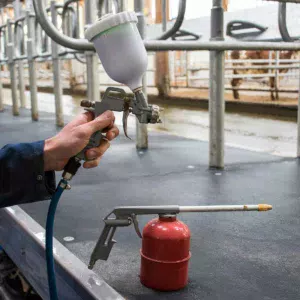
(32, 67)
(1, 95)
(92, 59)
(56, 72)
(217, 208)
(141, 129)
(164, 15)
(216, 91)
(80, 44)
(298, 119)
(218, 45)
(249, 67)
(23, 240)
(245, 89)
(276, 80)
(12, 69)
(53, 32)
(17, 10)
(227, 76)
(177, 24)
(282, 23)
(239, 61)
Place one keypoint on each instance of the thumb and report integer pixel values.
(101, 122)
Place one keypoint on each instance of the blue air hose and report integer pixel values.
(49, 239)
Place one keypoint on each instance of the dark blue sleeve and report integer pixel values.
(22, 176)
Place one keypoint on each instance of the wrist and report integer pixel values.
(49, 155)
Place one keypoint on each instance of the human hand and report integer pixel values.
(75, 136)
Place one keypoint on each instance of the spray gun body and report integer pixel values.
(124, 58)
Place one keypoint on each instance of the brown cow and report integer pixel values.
(251, 55)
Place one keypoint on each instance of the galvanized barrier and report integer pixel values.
(216, 46)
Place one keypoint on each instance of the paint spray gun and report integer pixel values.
(124, 58)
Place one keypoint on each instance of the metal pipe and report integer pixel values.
(282, 23)
(32, 67)
(1, 95)
(276, 80)
(80, 44)
(217, 45)
(141, 129)
(54, 34)
(177, 24)
(56, 72)
(164, 15)
(279, 67)
(298, 119)
(92, 59)
(12, 68)
(245, 76)
(232, 61)
(216, 91)
(217, 208)
(17, 10)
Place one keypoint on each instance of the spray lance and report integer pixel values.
(124, 58)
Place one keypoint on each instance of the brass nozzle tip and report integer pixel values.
(264, 207)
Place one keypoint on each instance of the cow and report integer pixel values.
(254, 55)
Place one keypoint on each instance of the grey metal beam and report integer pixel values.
(31, 52)
(17, 11)
(12, 68)
(216, 90)
(1, 95)
(298, 119)
(53, 33)
(23, 240)
(218, 45)
(141, 129)
(92, 59)
(80, 44)
(56, 72)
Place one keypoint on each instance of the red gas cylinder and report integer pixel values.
(165, 254)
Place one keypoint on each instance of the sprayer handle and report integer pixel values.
(94, 142)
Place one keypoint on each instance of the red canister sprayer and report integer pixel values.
(165, 249)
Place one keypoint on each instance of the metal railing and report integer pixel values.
(186, 74)
(216, 46)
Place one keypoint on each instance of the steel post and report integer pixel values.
(32, 67)
(12, 69)
(141, 129)
(122, 5)
(216, 91)
(56, 73)
(298, 119)
(1, 95)
(17, 11)
(276, 80)
(164, 15)
(91, 58)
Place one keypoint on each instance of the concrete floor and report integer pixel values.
(234, 255)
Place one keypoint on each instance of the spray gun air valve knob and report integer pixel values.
(87, 104)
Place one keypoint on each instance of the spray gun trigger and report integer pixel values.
(126, 112)
(136, 225)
